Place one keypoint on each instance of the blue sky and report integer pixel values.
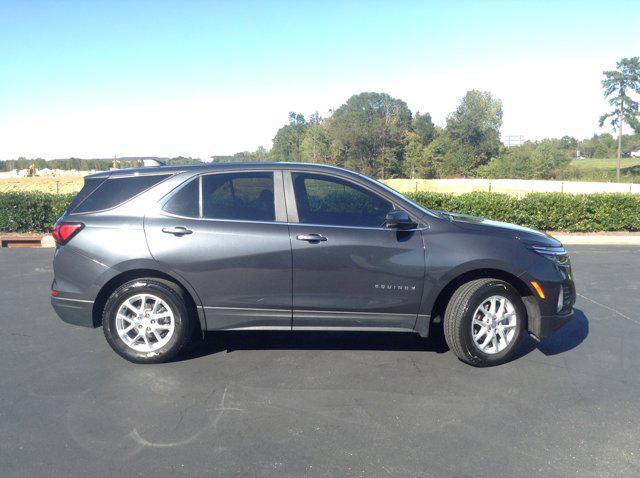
(98, 78)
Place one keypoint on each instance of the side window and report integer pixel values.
(333, 201)
(240, 196)
(185, 201)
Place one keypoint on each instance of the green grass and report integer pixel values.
(602, 170)
(609, 163)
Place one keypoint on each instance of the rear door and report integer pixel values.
(226, 234)
(349, 270)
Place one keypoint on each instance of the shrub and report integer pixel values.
(544, 211)
(37, 212)
(31, 211)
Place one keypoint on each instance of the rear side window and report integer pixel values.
(90, 185)
(116, 190)
(240, 196)
(185, 201)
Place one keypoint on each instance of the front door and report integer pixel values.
(349, 271)
(223, 233)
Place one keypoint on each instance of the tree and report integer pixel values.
(316, 145)
(476, 123)
(568, 142)
(287, 141)
(530, 161)
(315, 118)
(367, 132)
(416, 159)
(618, 85)
(423, 126)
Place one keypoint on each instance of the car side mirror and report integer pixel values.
(399, 220)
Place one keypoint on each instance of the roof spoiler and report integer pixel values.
(150, 162)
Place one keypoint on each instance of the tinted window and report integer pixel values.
(90, 185)
(185, 201)
(114, 191)
(241, 196)
(332, 201)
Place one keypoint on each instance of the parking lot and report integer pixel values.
(322, 404)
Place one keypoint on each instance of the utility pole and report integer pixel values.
(620, 121)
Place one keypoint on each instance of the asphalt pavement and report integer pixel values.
(322, 404)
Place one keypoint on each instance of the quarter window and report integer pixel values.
(185, 201)
(332, 201)
(115, 191)
(239, 196)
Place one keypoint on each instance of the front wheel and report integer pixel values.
(484, 322)
(146, 321)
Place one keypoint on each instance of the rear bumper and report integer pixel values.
(74, 311)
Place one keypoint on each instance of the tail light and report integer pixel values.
(63, 232)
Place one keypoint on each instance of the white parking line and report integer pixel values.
(611, 309)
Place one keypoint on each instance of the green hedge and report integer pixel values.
(36, 212)
(31, 211)
(545, 211)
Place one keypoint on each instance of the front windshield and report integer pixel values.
(396, 193)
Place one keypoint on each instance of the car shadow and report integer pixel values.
(216, 342)
(564, 339)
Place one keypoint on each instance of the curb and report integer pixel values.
(47, 241)
(597, 239)
(31, 241)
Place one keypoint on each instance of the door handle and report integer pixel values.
(177, 231)
(311, 237)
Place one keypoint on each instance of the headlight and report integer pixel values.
(556, 254)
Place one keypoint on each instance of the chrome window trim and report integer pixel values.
(359, 227)
(289, 223)
(289, 195)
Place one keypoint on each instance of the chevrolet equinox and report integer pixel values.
(155, 255)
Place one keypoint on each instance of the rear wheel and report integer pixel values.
(146, 321)
(484, 322)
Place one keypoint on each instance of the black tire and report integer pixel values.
(183, 328)
(459, 314)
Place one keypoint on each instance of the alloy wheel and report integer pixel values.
(145, 322)
(493, 326)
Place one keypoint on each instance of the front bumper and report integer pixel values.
(543, 326)
(543, 316)
(74, 311)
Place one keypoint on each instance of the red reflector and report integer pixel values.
(64, 231)
(54, 292)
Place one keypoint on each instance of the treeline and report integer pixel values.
(378, 135)
(79, 164)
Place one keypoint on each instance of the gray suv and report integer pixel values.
(156, 255)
